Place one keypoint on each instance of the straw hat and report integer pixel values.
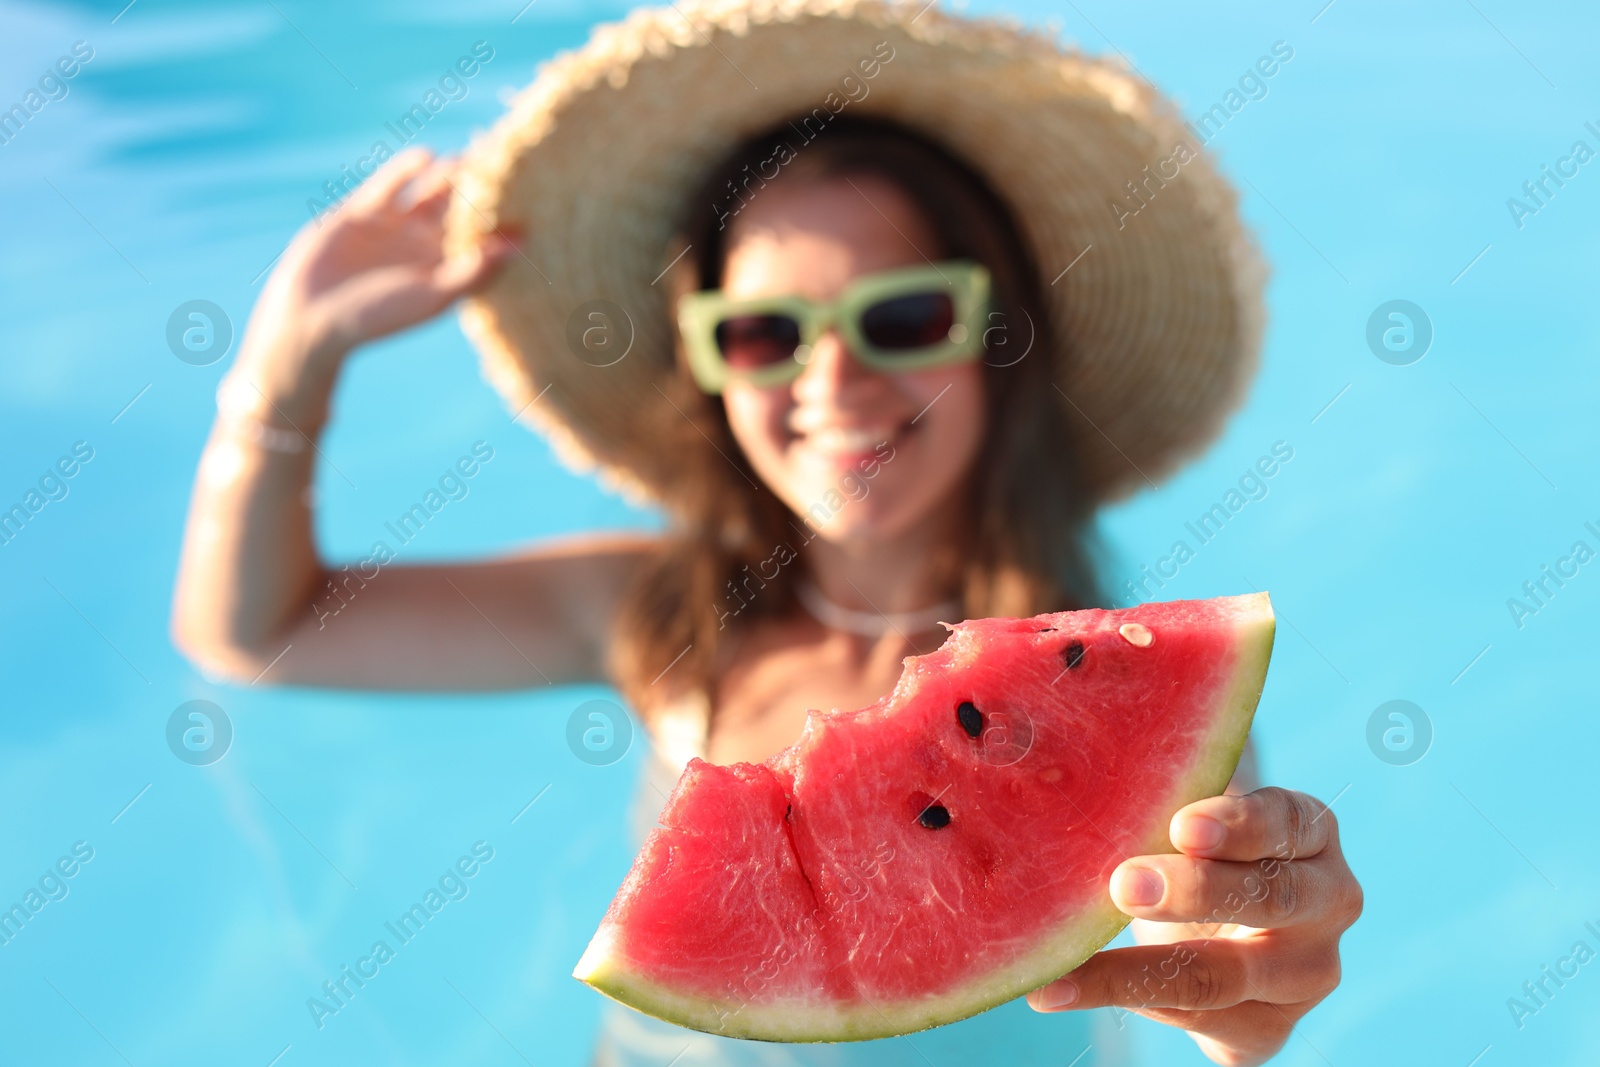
(1154, 288)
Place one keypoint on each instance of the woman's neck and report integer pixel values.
(894, 576)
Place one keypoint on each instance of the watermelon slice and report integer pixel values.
(946, 849)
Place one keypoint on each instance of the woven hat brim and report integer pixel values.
(1154, 287)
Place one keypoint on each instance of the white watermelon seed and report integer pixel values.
(1136, 634)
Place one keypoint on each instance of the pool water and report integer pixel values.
(191, 912)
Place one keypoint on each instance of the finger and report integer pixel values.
(1267, 823)
(1195, 976)
(1245, 1034)
(386, 182)
(1265, 894)
(431, 189)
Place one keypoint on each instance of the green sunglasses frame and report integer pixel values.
(967, 282)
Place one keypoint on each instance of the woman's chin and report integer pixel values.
(859, 524)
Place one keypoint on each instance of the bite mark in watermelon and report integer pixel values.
(946, 849)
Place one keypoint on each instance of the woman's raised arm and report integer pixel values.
(253, 602)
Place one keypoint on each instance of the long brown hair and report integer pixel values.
(1031, 549)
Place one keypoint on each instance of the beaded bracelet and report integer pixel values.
(270, 438)
(239, 415)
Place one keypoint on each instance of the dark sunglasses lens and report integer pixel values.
(907, 323)
(751, 341)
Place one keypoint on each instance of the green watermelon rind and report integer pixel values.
(1077, 939)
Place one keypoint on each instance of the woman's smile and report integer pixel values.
(837, 445)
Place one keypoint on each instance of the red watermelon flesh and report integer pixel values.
(946, 849)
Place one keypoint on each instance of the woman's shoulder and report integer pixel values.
(619, 546)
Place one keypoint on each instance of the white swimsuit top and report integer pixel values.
(1012, 1034)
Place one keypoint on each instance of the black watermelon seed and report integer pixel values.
(1074, 654)
(970, 717)
(1046, 630)
(935, 817)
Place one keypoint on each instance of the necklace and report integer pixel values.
(870, 623)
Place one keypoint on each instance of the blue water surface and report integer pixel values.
(207, 904)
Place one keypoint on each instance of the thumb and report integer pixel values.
(472, 269)
(460, 273)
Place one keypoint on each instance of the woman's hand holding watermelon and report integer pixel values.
(1240, 930)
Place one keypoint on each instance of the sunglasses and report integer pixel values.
(894, 321)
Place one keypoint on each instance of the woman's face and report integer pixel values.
(861, 456)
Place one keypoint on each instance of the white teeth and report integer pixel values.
(849, 441)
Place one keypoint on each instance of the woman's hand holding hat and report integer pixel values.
(369, 267)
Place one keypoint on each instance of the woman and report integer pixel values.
(835, 487)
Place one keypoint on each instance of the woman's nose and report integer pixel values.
(830, 368)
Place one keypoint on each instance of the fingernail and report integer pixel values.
(1199, 833)
(1140, 886)
(1055, 996)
